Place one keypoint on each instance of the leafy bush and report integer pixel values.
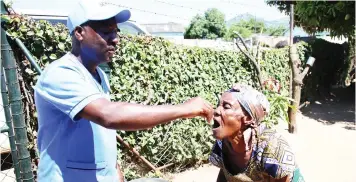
(173, 74)
(155, 70)
(324, 76)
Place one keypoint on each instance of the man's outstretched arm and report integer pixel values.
(129, 116)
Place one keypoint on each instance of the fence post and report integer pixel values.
(11, 134)
(15, 101)
(8, 118)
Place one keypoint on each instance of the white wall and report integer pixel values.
(218, 44)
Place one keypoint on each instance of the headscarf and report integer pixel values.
(253, 102)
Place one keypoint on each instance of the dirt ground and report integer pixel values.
(324, 144)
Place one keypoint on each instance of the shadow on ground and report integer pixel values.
(338, 107)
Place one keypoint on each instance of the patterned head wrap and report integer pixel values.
(254, 102)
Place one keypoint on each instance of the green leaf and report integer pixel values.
(23, 28)
(53, 57)
(61, 46)
(63, 36)
(40, 33)
(49, 32)
(17, 20)
(14, 34)
(333, 11)
(5, 18)
(44, 57)
(347, 17)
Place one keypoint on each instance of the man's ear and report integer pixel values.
(78, 33)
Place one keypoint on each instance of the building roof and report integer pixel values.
(164, 27)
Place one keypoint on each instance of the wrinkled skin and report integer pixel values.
(230, 122)
(229, 117)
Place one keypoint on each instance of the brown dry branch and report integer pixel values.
(252, 59)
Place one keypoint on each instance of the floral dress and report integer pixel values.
(271, 155)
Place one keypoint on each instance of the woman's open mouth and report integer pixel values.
(216, 124)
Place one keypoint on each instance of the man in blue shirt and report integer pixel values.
(76, 119)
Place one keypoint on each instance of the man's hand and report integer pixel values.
(198, 107)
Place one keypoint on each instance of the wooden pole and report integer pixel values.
(134, 151)
(294, 67)
(290, 44)
(291, 24)
(297, 77)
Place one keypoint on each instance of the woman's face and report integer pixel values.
(229, 117)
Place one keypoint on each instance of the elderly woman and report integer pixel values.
(247, 150)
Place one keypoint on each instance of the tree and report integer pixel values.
(252, 26)
(210, 26)
(338, 17)
(197, 28)
(276, 30)
(243, 31)
(255, 26)
(245, 28)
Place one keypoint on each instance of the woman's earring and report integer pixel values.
(247, 135)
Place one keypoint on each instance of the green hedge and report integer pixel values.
(170, 73)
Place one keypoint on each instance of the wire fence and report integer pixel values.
(15, 157)
(6, 164)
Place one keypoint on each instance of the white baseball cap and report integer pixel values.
(84, 11)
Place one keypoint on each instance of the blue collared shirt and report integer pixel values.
(72, 149)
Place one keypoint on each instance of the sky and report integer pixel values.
(160, 11)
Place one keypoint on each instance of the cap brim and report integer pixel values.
(123, 16)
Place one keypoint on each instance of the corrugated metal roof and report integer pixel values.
(164, 27)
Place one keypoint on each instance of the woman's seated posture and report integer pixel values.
(246, 150)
